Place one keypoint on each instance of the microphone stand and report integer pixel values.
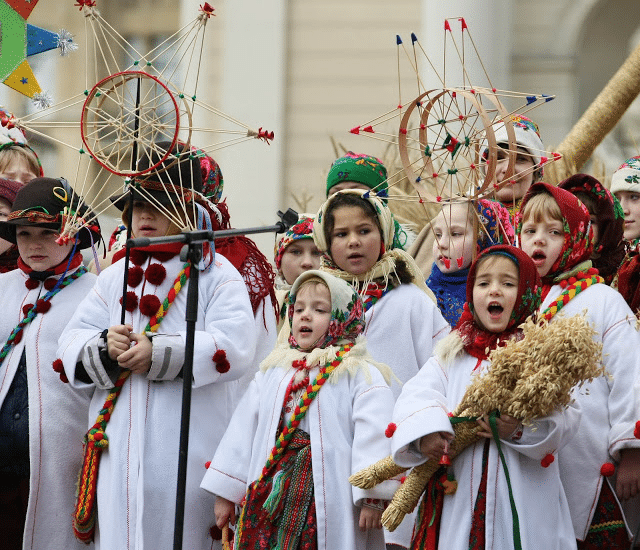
(192, 251)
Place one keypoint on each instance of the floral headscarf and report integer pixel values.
(479, 342)
(498, 228)
(347, 312)
(384, 269)
(578, 235)
(302, 229)
(610, 222)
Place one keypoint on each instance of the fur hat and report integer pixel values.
(179, 174)
(45, 202)
(627, 176)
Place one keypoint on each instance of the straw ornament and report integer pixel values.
(528, 379)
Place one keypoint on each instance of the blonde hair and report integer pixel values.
(315, 281)
(541, 206)
(13, 153)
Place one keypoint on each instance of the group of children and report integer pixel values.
(366, 365)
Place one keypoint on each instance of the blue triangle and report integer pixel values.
(40, 40)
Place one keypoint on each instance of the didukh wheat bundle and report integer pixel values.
(528, 379)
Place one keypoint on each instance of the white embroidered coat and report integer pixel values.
(57, 411)
(138, 471)
(402, 329)
(610, 404)
(346, 423)
(542, 508)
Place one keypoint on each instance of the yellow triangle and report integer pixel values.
(23, 80)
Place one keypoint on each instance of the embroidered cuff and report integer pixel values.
(102, 370)
(167, 356)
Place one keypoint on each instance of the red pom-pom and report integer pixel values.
(18, 337)
(220, 359)
(58, 366)
(50, 283)
(26, 308)
(149, 305)
(63, 378)
(32, 283)
(215, 532)
(138, 257)
(607, 469)
(403, 479)
(636, 432)
(155, 274)
(547, 460)
(42, 306)
(134, 276)
(207, 464)
(391, 428)
(132, 301)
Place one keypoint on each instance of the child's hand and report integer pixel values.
(118, 340)
(225, 512)
(370, 518)
(435, 444)
(137, 358)
(507, 426)
(628, 480)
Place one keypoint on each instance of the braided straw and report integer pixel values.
(602, 115)
(528, 379)
(96, 439)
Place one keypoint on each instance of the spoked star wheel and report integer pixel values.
(127, 108)
(447, 143)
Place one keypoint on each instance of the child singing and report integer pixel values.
(296, 494)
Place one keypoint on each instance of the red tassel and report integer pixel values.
(134, 276)
(369, 129)
(207, 464)
(32, 284)
(607, 469)
(460, 260)
(447, 262)
(391, 428)
(58, 366)
(547, 460)
(221, 362)
(149, 304)
(26, 308)
(18, 337)
(132, 301)
(155, 274)
(636, 432)
(355, 130)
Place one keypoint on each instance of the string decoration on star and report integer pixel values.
(446, 135)
(116, 121)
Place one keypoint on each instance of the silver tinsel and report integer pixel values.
(42, 100)
(66, 43)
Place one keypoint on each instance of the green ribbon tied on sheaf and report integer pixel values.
(517, 543)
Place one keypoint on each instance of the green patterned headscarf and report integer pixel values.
(359, 168)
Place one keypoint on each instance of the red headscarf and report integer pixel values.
(578, 235)
(478, 342)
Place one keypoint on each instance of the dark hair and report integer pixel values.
(351, 200)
